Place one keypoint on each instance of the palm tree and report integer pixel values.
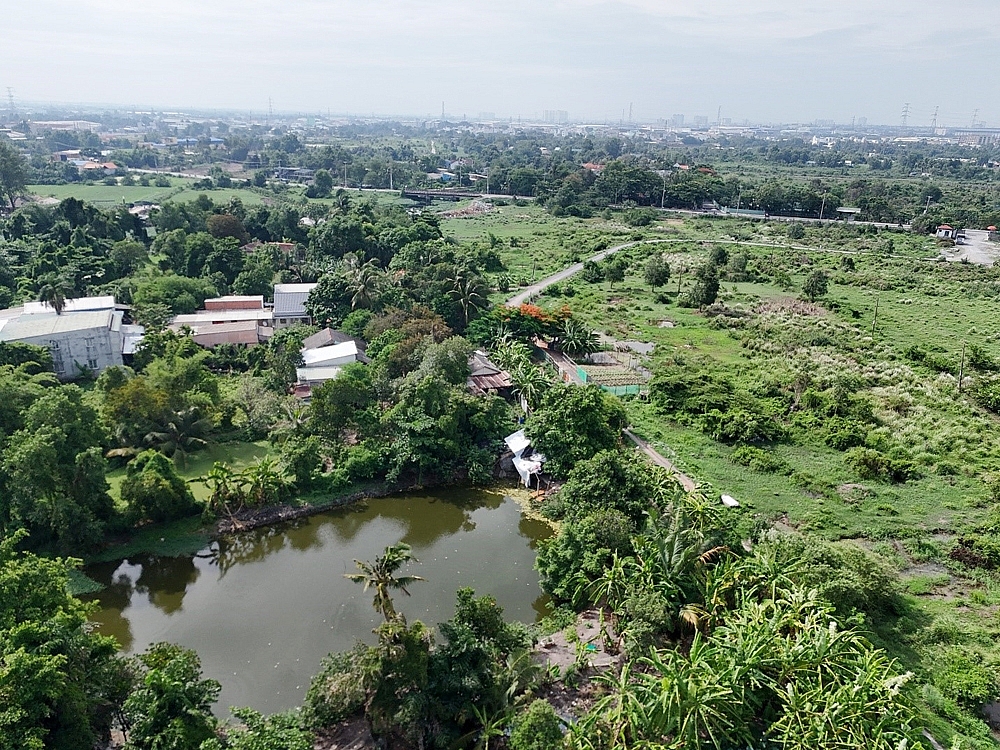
(365, 281)
(180, 433)
(530, 383)
(467, 292)
(54, 293)
(381, 576)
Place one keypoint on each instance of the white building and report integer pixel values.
(325, 363)
(290, 304)
(79, 342)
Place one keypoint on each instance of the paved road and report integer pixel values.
(976, 248)
(535, 289)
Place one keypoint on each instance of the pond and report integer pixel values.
(263, 608)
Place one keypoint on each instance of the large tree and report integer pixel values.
(573, 424)
(13, 173)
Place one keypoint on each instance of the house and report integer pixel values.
(527, 462)
(328, 337)
(485, 377)
(290, 304)
(946, 232)
(232, 319)
(325, 363)
(87, 341)
(848, 213)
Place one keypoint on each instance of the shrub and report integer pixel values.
(740, 426)
(538, 728)
(363, 463)
(759, 460)
(842, 434)
(154, 491)
(894, 466)
(965, 679)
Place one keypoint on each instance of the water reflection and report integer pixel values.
(263, 608)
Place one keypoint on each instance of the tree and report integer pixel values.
(614, 270)
(154, 491)
(815, 286)
(54, 292)
(258, 732)
(171, 708)
(573, 423)
(380, 575)
(576, 339)
(657, 271)
(180, 433)
(705, 289)
(13, 173)
(227, 225)
(60, 683)
(341, 403)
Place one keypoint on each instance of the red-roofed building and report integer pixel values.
(946, 232)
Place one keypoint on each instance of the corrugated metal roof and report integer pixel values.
(81, 304)
(49, 324)
(205, 317)
(347, 351)
(290, 299)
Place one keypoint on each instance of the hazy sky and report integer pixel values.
(765, 60)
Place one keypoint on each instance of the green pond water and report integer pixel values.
(263, 608)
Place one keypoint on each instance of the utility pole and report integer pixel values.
(905, 114)
(822, 207)
(875, 319)
(390, 175)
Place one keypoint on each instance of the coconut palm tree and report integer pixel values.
(180, 433)
(380, 575)
(365, 281)
(54, 293)
(468, 291)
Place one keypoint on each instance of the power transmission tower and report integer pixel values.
(270, 110)
(974, 116)
(10, 103)
(934, 119)
(905, 114)
(718, 117)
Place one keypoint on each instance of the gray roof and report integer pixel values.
(50, 324)
(327, 337)
(290, 299)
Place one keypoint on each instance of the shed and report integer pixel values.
(527, 462)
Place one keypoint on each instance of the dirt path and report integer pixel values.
(687, 482)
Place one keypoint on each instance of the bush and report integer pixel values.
(894, 466)
(302, 459)
(759, 460)
(842, 434)
(154, 491)
(538, 728)
(363, 463)
(581, 550)
(335, 693)
(610, 480)
(965, 679)
(740, 426)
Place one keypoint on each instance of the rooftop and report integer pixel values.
(50, 324)
(290, 299)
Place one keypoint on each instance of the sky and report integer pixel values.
(759, 60)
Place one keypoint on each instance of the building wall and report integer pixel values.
(283, 321)
(95, 348)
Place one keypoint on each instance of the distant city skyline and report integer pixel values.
(765, 61)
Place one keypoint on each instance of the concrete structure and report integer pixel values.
(290, 304)
(244, 333)
(334, 355)
(848, 213)
(80, 342)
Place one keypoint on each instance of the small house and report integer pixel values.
(485, 377)
(946, 232)
(290, 304)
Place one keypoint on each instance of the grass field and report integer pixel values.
(106, 195)
(237, 455)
